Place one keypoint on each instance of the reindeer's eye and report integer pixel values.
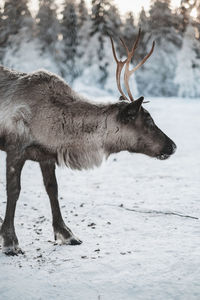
(147, 117)
(149, 120)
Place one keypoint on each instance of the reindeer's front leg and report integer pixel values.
(7, 232)
(61, 231)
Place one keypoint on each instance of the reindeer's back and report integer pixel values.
(24, 96)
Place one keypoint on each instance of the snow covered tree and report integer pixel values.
(83, 14)
(143, 20)
(196, 20)
(185, 13)
(14, 13)
(105, 21)
(114, 21)
(144, 26)
(188, 68)
(69, 30)
(105, 18)
(156, 77)
(84, 24)
(99, 65)
(99, 31)
(83, 36)
(99, 17)
(161, 21)
(129, 30)
(3, 30)
(16, 26)
(47, 24)
(14, 17)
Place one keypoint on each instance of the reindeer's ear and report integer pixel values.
(138, 102)
(131, 110)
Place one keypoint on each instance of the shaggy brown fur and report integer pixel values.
(44, 120)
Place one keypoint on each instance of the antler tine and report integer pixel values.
(144, 59)
(113, 49)
(128, 73)
(120, 65)
(134, 45)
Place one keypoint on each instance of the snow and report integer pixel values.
(141, 254)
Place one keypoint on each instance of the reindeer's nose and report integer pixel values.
(173, 147)
(170, 147)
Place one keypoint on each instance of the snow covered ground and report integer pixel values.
(143, 253)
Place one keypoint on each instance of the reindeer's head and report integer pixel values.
(140, 132)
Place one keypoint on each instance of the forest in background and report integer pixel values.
(73, 41)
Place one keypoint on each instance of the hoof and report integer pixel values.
(12, 251)
(70, 240)
(9, 242)
(75, 241)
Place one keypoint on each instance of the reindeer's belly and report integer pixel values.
(39, 154)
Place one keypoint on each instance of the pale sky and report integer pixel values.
(123, 5)
(136, 5)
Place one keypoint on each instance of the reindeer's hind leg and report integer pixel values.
(7, 233)
(61, 231)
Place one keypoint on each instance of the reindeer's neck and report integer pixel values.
(81, 135)
(98, 135)
(116, 139)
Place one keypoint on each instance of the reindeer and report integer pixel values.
(42, 119)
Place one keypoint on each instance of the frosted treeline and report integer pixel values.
(72, 40)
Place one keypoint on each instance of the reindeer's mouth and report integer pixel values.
(163, 156)
(167, 151)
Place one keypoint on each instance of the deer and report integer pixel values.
(44, 120)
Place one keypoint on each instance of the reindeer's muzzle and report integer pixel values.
(168, 150)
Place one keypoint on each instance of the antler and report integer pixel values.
(120, 65)
(128, 73)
